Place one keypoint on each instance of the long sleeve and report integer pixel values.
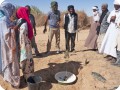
(64, 20)
(96, 17)
(109, 17)
(117, 21)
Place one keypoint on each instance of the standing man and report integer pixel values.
(70, 26)
(54, 28)
(102, 24)
(32, 19)
(117, 21)
(91, 41)
(108, 45)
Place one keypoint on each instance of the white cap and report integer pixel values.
(117, 2)
(95, 8)
(1, 1)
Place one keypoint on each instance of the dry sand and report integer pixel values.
(48, 66)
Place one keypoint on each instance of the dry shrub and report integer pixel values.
(83, 19)
(39, 16)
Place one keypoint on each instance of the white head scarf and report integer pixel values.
(117, 2)
(1, 1)
(95, 8)
(96, 14)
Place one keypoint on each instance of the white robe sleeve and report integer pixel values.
(64, 19)
(109, 17)
(97, 17)
(117, 21)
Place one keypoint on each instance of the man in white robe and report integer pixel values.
(109, 42)
(117, 63)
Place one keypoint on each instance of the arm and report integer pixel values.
(77, 21)
(46, 20)
(58, 23)
(97, 17)
(19, 23)
(111, 17)
(34, 25)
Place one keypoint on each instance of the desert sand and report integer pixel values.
(48, 66)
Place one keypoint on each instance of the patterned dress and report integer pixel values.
(26, 59)
(10, 64)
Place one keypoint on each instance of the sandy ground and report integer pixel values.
(48, 66)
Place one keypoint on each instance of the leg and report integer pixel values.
(50, 37)
(57, 36)
(99, 40)
(67, 36)
(117, 63)
(0, 59)
(27, 67)
(73, 36)
(118, 57)
(34, 46)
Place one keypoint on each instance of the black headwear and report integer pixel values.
(70, 6)
(54, 3)
(28, 7)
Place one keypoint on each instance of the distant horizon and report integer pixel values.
(44, 6)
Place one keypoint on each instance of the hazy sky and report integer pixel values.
(44, 5)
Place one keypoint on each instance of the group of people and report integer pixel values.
(17, 38)
(70, 26)
(104, 33)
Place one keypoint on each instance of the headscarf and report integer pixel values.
(116, 2)
(96, 8)
(28, 8)
(54, 3)
(23, 13)
(96, 13)
(105, 4)
(1, 1)
(1, 13)
(8, 10)
(70, 6)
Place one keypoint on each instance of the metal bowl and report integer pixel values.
(65, 77)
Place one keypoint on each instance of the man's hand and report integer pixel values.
(35, 34)
(113, 18)
(45, 30)
(14, 28)
(98, 24)
(58, 24)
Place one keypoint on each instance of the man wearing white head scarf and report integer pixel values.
(1, 1)
(96, 15)
(109, 42)
(116, 2)
(91, 41)
(117, 63)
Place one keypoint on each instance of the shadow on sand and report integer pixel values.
(48, 74)
(42, 55)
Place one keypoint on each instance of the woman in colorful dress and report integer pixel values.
(25, 36)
